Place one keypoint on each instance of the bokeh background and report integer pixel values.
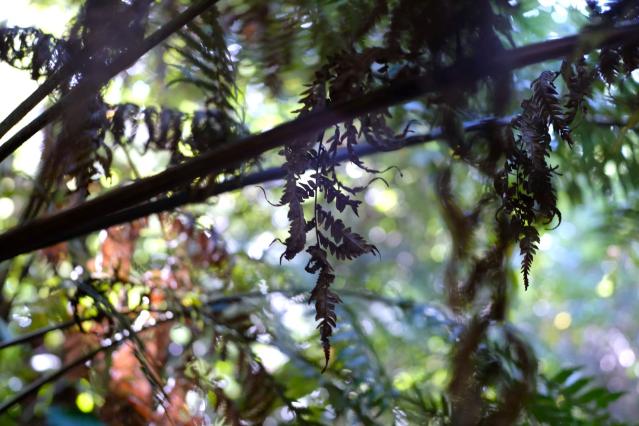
(580, 310)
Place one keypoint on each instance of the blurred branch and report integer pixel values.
(34, 386)
(39, 333)
(88, 85)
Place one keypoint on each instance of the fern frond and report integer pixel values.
(325, 302)
(297, 232)
(528, 245)
(545, 96)
(33, 50)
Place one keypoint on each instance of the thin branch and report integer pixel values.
(34, 386)
(23, 338)
(34, 99)
(93, 82)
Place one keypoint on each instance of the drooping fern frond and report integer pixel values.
(207, 64)
(545, 96)
(31, 49)
(525, 184)
(528, 245)
(325, 301)
(578, 78)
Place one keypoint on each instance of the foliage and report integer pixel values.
(161, 318)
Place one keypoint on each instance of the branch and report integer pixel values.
(20, 239)
(34, 99)
(184, 197)
(39, 333)
(34, 386)
(90, 84)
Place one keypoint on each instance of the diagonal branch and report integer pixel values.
(34, 99)
(34, 386)
(38, 333)
(90, 84)
(183, 197)
(20, 239)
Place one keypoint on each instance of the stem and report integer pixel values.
(93, 82)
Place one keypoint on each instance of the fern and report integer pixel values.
(31, 49)
(525, 184)
(528, 247)
(545, 96)
(325, 302)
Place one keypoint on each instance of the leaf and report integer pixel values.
(564, 374)
(325, 302)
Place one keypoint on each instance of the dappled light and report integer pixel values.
(371, 212)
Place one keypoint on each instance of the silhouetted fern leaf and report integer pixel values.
(528, 247)
(325, 302)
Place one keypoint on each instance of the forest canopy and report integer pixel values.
(362, 212)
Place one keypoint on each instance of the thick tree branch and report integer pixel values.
(183, 197)
(90, 84)
(20, 240)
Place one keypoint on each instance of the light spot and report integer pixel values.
(377, 235)
(545, 242)
(175, 350)
(382, 199)
(180, 335)
(259, 244)
(353, 171)
(44, 362)
(560, 15)
(234, 49)
(438, 252)
(271, 357)
(627, 357)
(254, 98)
(15, 384)
(140, 91)
(6, 208)
(405, 258)
(606, 287)
(195, 402)
(562, 320)
(85, 402)
(405, 380)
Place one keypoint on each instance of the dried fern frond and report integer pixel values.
(31, 49)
